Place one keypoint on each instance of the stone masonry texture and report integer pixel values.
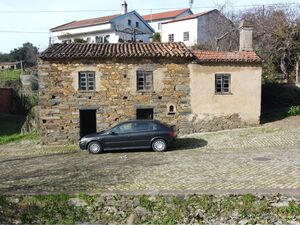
(115, 98)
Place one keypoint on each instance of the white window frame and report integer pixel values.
(171, 37)
(186, 36)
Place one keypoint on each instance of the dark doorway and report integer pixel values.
(88, 122)
(144, 114)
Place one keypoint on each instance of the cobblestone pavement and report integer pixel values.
(265, 158)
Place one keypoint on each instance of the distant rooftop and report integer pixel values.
(85, 23)
(164, 15)
(193, 16)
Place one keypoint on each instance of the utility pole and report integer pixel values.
(297, 71)
(21, 62)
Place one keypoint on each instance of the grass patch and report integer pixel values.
(10, 74)
(10, 128)
(19, 137)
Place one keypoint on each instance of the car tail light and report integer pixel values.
(172, 134)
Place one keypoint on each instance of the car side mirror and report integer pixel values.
(112, 133)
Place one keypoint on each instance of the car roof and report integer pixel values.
(145, 120)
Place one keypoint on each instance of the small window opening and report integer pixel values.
(171, 110)
(125, 97)
(44, 121)
(159, 97)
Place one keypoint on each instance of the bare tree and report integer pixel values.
(276, 38)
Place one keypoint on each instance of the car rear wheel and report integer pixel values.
(159, 145)
(95, 147)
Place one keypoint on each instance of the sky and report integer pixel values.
(20, 21)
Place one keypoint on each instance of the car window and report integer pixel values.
(146, 126)
(124, 128)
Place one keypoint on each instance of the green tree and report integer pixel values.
(4, 57)
(156, 37)
(28, 53)
(79, 40)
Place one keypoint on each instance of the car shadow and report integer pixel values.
(189, 143)
(180, 144)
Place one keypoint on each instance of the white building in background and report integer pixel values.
(200, 28)
(156, 19)
(126, 26)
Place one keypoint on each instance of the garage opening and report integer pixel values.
(88, 123)
(144, 114)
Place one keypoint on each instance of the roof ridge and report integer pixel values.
(192, 16)
(116, 50)
(109, 17)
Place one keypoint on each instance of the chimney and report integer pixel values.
(124, 7)
(246, 30)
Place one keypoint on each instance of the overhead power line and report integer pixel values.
(142, 9)
(23, 32)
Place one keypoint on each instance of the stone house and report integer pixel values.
(89, 87)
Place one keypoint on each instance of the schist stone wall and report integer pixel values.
(115, 97)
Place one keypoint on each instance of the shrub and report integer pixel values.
(294, 110)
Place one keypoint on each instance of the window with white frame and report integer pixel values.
(186, 36)
(99, 39)
(171, 37)
(144, 80)
(106, 39)
(87, 81)
(222, 83)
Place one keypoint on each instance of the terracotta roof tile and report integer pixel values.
(85, 23)
(164, 15)
(119, 50)
(193, 16)
(210, 56)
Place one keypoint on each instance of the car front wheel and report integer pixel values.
(159, 145)
(95, 147)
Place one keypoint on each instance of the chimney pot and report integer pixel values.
(246, 36)
(124, 8)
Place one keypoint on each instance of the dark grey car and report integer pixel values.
(135, 134)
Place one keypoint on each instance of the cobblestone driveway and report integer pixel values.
(247, 159)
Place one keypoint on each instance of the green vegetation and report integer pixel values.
(10, 128)
(197, 209)
(52, 209)
(10, 75)
(156, 37)
(279, 101)
(294, 110)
